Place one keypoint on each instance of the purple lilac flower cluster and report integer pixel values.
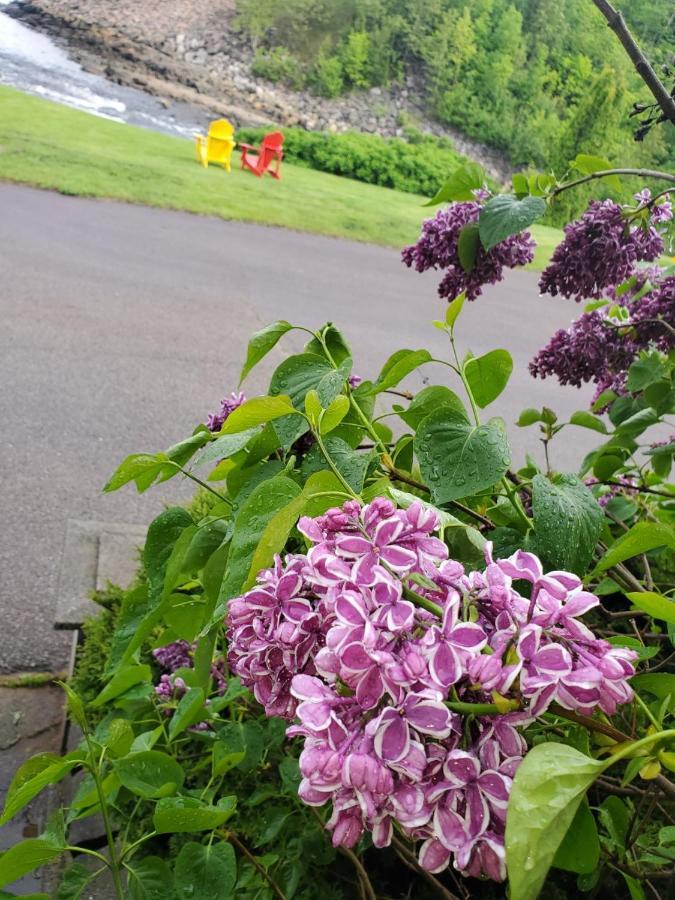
(599, 250)
(171, 687)
(338, 639)
(599, 348)
(437, 248)
(216, 421)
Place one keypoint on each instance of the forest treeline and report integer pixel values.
(537, 79)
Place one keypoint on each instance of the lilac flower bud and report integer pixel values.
(215, 421)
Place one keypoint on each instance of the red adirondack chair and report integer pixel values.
(270, 153)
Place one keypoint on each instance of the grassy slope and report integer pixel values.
(52, 146)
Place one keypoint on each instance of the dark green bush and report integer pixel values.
(418, 167)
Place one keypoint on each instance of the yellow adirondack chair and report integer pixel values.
(217, 146)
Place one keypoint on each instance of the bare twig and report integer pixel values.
(251, 858)
(663, 665)
(642, 65)
(396, 475)
(405, 394)
(590, 724)
(364, 880)
(361, 872)
(666, 786)
(603, 173)
(408, 858)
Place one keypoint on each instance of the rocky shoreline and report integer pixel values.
(180, 50)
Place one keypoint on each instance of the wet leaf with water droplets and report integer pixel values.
(567, 522)
(458, 459)
(547, 790)
(205, 872)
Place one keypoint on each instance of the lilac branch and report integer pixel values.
(642, 65)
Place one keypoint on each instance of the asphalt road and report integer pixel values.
(121, 327)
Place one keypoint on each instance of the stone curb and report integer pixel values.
(94, 554)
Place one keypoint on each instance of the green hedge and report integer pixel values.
(418, 165)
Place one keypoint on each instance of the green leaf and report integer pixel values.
(149, 878)
(163, 533)
(460, 185)
(206, 539)
(261, 343)
(488, 375)
(142, 468)
(150, 774)
(642, 651)
(661, 685)
(190, 710)
(256, 411)
(332, 384)
(528, 417)
(351, 464)
(351, 429)
(567, 522)
(588, 420)
(225, 446)
(454, 309)
(547, 790)
(646, 370)
(183, 451)
(428, 400)
(637, 423)
(458, 459)
(505, 215)
(588, 165)
(124, 678)
(276, 532)
(117, 735)
(641, 538)
(265, 501)
(73, 881)
(335, 342)
(656, 605)
(174, 815)
(25, 856)
(228, 751)
(580, 848)
(289, 770)
(635, 889)
(399, 364)
(313, 406)
(214, 572)
(131, 628)
(270, 822)
(606, 465)
(75, 705)
(205, 872)
(615, 816)
(467, 246)
(32, 777)
(295, 377)
(334, 414)
(520, 184)
(5, 895)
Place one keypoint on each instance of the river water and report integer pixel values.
(37, 64)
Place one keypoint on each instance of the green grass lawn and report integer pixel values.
(51, 146)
